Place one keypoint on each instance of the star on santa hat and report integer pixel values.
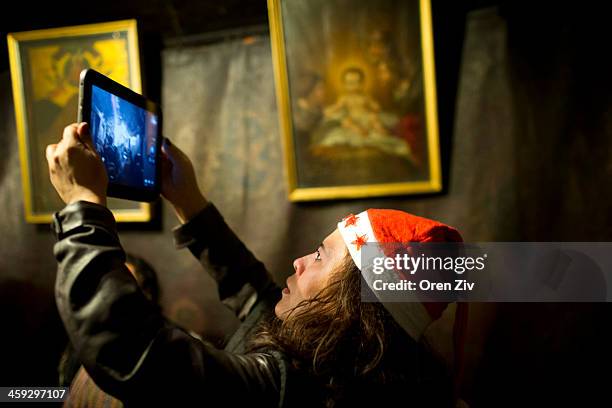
(351, 219)
(360, 241)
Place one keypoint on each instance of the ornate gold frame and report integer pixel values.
(143, 213)
(434, 184)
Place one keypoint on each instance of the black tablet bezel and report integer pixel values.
(91, 77)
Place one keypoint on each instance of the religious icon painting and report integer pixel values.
(356, 95)
(45, 68)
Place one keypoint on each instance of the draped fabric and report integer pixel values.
(219, 106)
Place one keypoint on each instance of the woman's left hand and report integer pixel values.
(75, 169)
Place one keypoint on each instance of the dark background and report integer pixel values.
(526, 156)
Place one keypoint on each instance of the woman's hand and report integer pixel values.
(179, 184)
(75, 169)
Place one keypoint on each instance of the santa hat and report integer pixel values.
(393, 226)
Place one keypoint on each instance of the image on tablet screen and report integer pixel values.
(124, 136)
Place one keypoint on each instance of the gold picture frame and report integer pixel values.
(342, 134)
(45, 67)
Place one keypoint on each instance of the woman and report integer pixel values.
(313, 344)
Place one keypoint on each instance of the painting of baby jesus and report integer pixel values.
(356, 97)
(359, 120)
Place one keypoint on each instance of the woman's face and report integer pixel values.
(312, 273)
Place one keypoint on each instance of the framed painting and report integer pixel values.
(356, 95)
(45, 67)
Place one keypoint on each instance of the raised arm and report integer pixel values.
(206, 234)
(222, 253)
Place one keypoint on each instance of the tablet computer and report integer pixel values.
(126, 132)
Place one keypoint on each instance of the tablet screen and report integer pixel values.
(124, 136)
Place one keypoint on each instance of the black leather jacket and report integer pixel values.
(130, 350)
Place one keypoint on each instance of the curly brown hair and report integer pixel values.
(348, 345)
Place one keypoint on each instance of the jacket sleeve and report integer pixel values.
(129, 349)
(223, 255)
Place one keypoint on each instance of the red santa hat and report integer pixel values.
(393, 226)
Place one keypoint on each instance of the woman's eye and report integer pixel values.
(318, 257)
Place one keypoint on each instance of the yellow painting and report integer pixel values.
(45, 69)
(356, 97)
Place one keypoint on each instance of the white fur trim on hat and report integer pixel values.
(356, 230)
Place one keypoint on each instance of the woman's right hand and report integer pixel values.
(179, 184)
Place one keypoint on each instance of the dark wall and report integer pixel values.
(525, 120)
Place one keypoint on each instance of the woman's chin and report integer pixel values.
(280, 309)
(286, 303)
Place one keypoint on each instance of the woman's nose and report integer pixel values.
(299, 266)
